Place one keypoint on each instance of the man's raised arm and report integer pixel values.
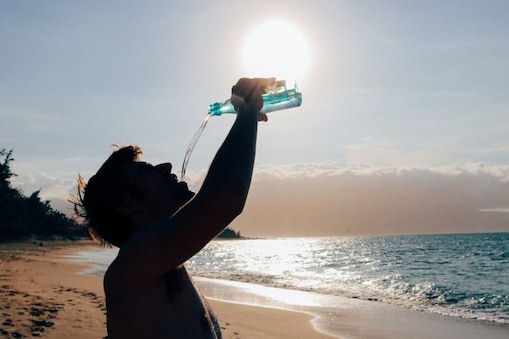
(222, 196)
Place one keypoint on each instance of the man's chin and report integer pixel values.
(186, 194)
(189, 195)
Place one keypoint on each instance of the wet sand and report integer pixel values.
(352, 318)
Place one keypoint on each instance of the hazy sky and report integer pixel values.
(403, 127)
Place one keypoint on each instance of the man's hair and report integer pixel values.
(99, 200)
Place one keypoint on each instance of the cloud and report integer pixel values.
(496, 149)
(56, 189)
(332, 198)
(340, 199)
(494, 210)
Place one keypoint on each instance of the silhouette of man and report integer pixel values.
(158, 224)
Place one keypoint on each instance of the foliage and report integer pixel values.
(23, 217)
(228, 233)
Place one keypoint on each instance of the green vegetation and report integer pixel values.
(23, 217)
(228, 233)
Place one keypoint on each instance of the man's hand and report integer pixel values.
(247, 94)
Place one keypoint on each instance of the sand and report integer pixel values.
(41, 294)
(44, 295)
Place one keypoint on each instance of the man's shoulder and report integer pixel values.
(121, 267)
(124, 274)
(120, 279)
(112, 275)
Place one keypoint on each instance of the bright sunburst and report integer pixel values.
(276, 48)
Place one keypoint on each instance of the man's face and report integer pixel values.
(156, 189)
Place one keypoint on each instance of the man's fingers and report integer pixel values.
(262, 117)
(248, 91)
(252, 84)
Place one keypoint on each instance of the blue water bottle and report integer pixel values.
(276, 98)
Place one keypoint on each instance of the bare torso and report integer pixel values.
(167, 307)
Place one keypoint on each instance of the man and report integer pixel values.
(158, 225)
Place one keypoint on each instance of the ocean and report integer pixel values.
(457, 275)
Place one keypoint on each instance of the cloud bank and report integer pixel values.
(333, 199)
(337, 199)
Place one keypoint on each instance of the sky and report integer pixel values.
(403, 127)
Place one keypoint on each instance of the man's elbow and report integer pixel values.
(223, 208)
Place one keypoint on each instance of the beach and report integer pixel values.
(45, 293)
(42, 294)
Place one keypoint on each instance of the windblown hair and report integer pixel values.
(99, 200)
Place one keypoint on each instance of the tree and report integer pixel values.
(228, 233)
(24, 217)
(5, 169)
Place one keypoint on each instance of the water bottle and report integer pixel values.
(278, 97)
(275, 98)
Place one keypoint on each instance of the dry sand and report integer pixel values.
(43, 295)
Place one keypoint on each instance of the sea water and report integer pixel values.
(458, 275)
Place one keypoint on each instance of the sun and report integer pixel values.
(276, 49)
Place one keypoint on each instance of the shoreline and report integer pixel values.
(344, 317)
(45, 292)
